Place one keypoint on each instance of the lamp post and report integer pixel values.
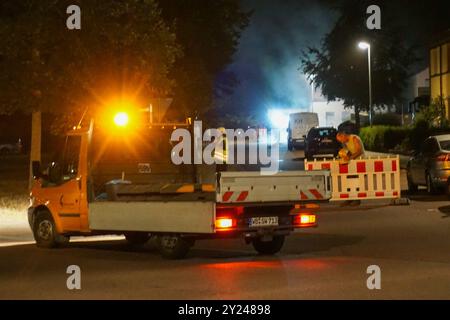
(366, 46)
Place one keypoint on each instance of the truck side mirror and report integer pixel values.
(36, 169)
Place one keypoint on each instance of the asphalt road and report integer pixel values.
(410, 244)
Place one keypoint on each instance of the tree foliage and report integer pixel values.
(123, 48)
(340, 69)
(140, 48)
(209, 33)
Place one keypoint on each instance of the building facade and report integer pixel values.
(331, 114)
(440, 71)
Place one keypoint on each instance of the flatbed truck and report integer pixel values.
(104, 184)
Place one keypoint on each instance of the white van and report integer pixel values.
(299, 126)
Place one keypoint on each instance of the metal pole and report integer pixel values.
(370, 87)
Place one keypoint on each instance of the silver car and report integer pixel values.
(430, 166)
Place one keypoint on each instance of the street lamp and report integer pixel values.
(366, 46)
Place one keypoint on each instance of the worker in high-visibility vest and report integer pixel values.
(353, 147)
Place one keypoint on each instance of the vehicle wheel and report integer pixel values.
(173, 246)
(45, 233)
(268, 247)
(137, 238)
(431, 189)
(412, 188)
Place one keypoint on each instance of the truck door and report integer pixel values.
(68, 192)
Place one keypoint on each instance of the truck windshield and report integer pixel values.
(140, 145)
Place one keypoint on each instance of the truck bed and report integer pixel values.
(196, 212)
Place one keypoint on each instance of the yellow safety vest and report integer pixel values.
(351, 145)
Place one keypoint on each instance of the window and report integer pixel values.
(346, 115)
(445, 145)
(329, 119)
(71, 156)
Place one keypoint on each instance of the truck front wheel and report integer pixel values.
(173, 246)
(45, 233)
(268, 247)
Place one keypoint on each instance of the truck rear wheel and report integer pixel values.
(137, 238)
(45, 233)
(173, 246)
(268, 247)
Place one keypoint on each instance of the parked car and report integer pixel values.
(321, 142)
(11, 148)
(430, 166)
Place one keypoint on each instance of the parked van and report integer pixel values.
(299, 126)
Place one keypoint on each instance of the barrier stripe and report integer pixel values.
(227, 195)
(362, 195)
(326, 166)
(378, 166)
(242, 196)
(343, 168)
(361, 167)
(303, 196)
(394, 165)
(316, 193)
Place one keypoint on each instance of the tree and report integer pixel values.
(123, 48)
(124, 51)
(341, 70)
(434, 113)
(209, 32)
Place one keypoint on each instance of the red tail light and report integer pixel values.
(226, 218)
(305, 220)
(225, 224)
(443, 157)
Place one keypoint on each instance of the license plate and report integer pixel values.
(327, 141)
(263, 221)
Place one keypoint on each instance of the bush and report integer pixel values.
(383, 138)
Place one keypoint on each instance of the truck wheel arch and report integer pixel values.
(42, 208)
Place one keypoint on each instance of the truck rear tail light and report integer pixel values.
(305, 220)
(225, 223)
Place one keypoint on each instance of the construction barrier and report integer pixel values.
(363, 178)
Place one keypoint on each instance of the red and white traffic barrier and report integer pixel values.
(364, 178)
